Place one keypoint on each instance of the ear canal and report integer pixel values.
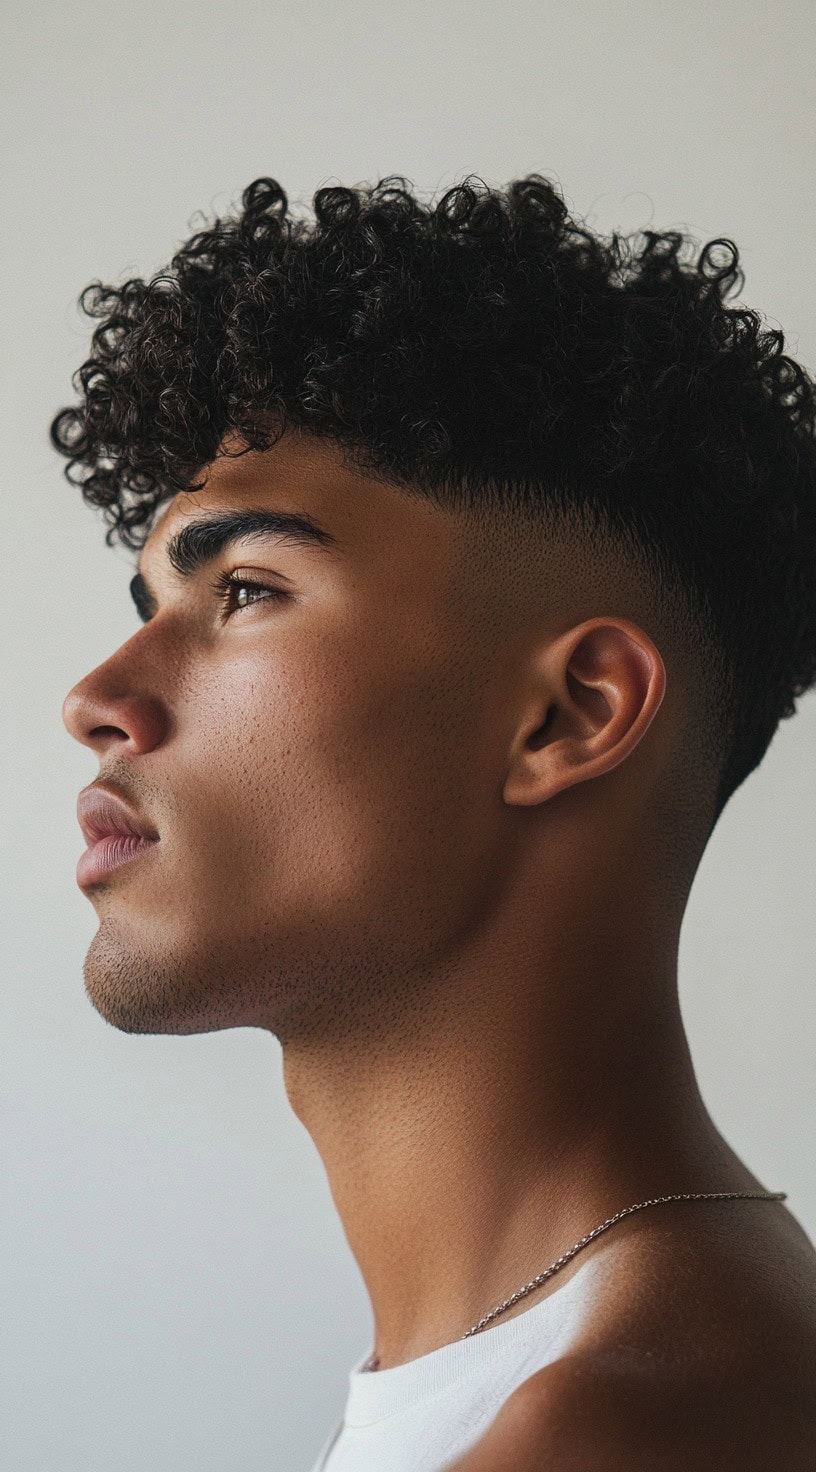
(537, 738)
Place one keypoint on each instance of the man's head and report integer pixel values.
(553, 486)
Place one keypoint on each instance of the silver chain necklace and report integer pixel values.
(560, 1262)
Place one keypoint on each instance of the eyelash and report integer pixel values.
(227, 582)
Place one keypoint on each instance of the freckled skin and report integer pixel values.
(432, 820)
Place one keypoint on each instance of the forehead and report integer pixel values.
(370, 521)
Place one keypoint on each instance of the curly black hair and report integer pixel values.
(486, 348)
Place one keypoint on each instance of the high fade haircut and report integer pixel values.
(492, 354)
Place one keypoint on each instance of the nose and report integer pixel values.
(104, 715)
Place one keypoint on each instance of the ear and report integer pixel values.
(593, 695)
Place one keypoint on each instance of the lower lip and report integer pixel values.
(110, 853)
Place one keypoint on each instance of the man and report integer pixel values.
(477, 570)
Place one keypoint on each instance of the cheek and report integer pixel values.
(330, 792)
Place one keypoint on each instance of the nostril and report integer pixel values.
(143, 721)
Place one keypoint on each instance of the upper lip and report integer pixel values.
(101, 813)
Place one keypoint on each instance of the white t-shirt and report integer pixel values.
(420, 1416)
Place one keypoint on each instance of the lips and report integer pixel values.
(113, 832)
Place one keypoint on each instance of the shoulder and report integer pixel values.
(704, 1356)
(598, 1411)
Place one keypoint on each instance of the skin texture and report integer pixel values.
(702, 1355)
(431, 819)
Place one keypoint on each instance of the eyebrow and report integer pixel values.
(200, 541)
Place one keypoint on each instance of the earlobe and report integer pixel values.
(600, 686)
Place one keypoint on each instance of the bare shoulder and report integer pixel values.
(700, 1359)
(584, 1412)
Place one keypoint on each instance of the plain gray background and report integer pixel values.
(177, 1291)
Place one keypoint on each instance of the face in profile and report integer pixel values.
(299, 724)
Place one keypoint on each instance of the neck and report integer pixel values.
(471, 1146)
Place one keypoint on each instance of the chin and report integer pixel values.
(137, 994)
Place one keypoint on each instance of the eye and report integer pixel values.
(236, 592)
